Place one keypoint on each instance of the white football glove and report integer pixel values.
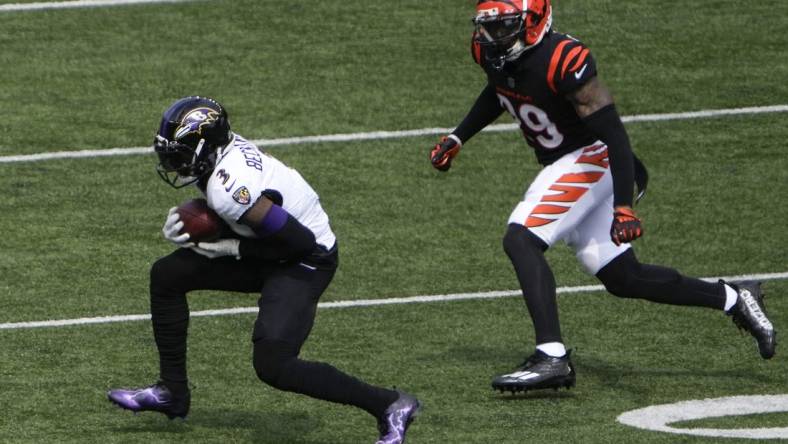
(219, 248)
(172, 229)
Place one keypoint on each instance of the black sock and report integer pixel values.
(625, 277)
(170, 316)
(323, 381)
(177, 388)
(526, 252)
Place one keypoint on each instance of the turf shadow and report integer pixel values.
(260, 427)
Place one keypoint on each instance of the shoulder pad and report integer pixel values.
(570, 65)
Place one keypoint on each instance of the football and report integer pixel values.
(200, 221)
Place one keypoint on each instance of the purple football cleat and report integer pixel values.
(396, 419)
(156, 398)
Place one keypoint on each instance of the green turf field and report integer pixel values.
(81, 234)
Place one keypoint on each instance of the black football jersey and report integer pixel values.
(533, 90)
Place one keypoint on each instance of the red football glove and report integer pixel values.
(626, 226)
(444, 151)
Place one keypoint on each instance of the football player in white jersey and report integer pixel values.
(584, 195)
(281, 246)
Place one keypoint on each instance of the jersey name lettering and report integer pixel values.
(252, 157)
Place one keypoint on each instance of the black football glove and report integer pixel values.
(626, 226)
(444, 151)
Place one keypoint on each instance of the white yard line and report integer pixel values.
(377, 135)
(356, 303)
(660, 417)
(40, 6)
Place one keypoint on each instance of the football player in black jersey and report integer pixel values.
(584, 194)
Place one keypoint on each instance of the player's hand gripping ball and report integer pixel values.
(200, 221)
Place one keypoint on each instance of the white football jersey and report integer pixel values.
(243, 173)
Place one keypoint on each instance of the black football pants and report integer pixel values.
(288, 304)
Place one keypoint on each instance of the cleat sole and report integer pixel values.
(555, 384)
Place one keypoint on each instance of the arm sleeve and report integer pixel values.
(607, 127)
(486, 109)
(292, 241)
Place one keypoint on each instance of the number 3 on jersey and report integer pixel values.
(539, 126)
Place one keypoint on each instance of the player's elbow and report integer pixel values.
(292, 241)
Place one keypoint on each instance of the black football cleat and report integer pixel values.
(156, 398)
(539, 371)
(749, 314)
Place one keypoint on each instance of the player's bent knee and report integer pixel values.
(270, 357)
(621, 286)
(171, 272)
(164, 271)
(518, 240)
(620, 276)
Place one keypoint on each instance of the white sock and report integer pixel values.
(731, 296)
(554, 349)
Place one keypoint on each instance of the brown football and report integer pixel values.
(200, 221)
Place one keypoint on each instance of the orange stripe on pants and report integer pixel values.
(569, 193)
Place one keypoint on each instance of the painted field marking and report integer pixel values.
(658, 417)
(378, 135)
(356, 303)
(40, 6)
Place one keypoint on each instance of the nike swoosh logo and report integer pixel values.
(230, 187)
(580, 73)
